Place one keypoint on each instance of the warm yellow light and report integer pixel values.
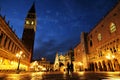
(113, 56)
(32, 22)
(1, 60)
(18, 55)
(80, 63)
(35, 63)
(43, 69)
(108, 56)
(40, 66)
(31, 67)
(27, 22)
(21, 52)
(81, 73)
(42, 58)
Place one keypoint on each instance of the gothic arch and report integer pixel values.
(96, 67)
(61, 64)
(110, 66)
(104, 66)
(91, 66)
(100, 66)
(116, 65)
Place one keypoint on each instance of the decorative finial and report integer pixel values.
(11, 26)
(14, 30)
(4, 17)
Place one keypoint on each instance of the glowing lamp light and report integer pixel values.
(113, 56)
(80, 63)
(18, 55)
(108, 56)
(21, 52)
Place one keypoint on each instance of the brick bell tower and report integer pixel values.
(29, 30)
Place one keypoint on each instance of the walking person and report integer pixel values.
(71, 68)
(68, 67)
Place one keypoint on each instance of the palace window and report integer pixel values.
(99, 37)
(1, 36)
(5, 42)
(100, 54)
(112, 27)
(111, 50)
(91, 43)
(114, 49)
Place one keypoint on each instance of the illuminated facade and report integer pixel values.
(102, 44)
(80, 56)
(10, 45)
(60, 63)
(56, 62)
(44, 63)
(41, 65)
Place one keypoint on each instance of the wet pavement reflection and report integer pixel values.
(61, 76)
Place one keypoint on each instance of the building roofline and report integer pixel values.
(104, 16)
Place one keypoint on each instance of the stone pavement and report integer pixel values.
(61, 76)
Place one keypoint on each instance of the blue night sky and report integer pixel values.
(59, 22)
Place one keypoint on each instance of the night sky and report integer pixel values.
(59, 22)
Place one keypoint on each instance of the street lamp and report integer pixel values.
(19, 56)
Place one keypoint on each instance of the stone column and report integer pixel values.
(3, 40)
(10, 45)
(7, 43)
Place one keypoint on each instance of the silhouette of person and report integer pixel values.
(71, 67)
(68, 67)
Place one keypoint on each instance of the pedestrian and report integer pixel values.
(68, 67)
(71, 67)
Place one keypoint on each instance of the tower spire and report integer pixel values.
(32, 9)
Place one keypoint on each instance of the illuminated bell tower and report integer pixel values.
(29, 30)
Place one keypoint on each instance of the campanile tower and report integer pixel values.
(29, 30)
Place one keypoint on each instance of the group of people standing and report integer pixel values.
(69, 67)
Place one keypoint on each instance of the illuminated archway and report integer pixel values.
(104, 66)
(100, 66)
(110, 66)
(116, 65)
(96, 67)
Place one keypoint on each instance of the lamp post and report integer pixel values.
(19, 56)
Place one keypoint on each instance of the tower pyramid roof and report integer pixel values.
(32, 9)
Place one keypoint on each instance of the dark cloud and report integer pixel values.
(49, 48)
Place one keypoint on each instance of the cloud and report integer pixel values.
(48, 48)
